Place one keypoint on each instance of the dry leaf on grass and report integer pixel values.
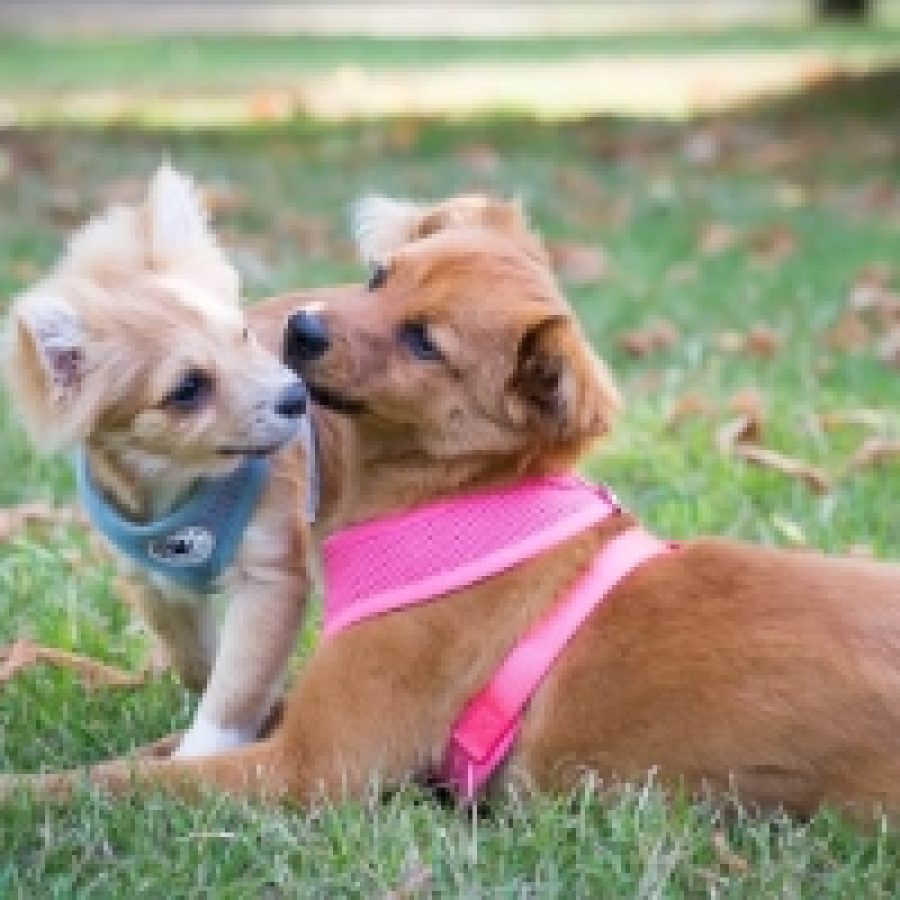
(688, 406)
(744, 429)
(727, 857)
(24, 654)
(657, 336)
(730, 341)
(578, 263)
(850, 332)
(761, 340)
(15, 518)
(747, 427)
(223, 197)
(717, 237)
(794, 468)
(773, 245)
(749, 402)
(874, 452)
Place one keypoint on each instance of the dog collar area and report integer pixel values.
(416, 556)
(194, 543)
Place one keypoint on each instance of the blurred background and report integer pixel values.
(718, 180)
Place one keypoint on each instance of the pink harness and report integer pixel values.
(419, 555)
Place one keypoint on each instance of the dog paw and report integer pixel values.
(205, 737)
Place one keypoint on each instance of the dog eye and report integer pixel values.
(416, 338)
(191, 391)
(377, 277)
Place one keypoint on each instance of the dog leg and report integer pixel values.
(185, 624)
(257, 638)
(255, 772)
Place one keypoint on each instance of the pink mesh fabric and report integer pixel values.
(423, 553)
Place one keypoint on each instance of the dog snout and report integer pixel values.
(306, 337)
(292, 401)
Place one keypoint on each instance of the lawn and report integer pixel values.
(176, 62)
(749, 253)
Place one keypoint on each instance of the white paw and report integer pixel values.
(205, 737)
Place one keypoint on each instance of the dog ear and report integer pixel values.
(46, 366)
(177, 219)
(382, 226)
(178, 232)
(565, 393)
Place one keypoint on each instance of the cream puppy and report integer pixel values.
(135, 352)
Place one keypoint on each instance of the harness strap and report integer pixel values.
(488, 726)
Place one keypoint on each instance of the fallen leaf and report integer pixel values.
(20, 655)
(849, 333)
(794, 468)
(403, 133)
(687, 406)
(579, 263)
(764, 341)
(222, 197)
(658, 335)
(24, 654)
(65, 206)
(744, 429)
(874, 452)
(749, 402)
(732, 861)
(730, 341)
(789, 195)
(717, 237)
(771, 246)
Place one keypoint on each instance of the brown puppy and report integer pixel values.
(722, 664)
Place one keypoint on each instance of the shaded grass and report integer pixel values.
(630, 188)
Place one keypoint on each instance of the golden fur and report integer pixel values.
(142, 296)
(722, 665)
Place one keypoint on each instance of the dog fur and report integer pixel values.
(143, 295)
(722, 666)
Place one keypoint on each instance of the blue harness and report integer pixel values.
(196, 542)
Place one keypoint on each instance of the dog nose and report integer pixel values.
(292, 402)
(305, 338)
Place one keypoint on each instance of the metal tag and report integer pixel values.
(189, 546)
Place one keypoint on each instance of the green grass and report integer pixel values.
(182, 61)
(631, 189)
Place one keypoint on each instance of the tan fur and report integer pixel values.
(722, 665)
(142, 295)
